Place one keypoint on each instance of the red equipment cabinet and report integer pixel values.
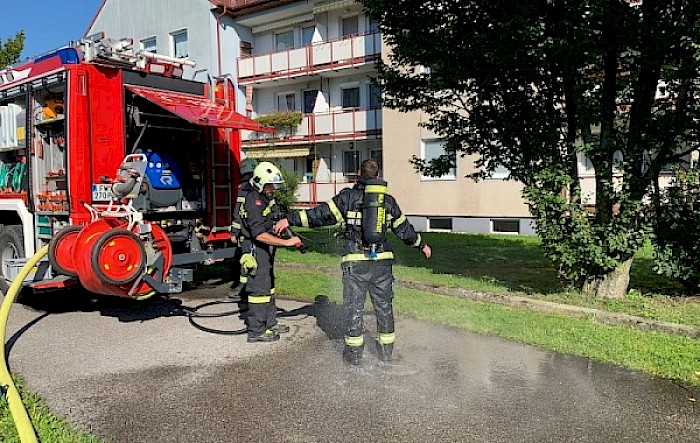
(129, 175)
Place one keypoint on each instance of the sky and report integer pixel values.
(47, 24)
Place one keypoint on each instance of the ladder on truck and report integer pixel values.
(224, 164)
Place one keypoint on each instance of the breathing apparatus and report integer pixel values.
(374, 216)
(248, 166)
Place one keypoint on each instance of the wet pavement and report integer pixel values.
(142, 373)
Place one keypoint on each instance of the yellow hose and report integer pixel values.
(14, 400)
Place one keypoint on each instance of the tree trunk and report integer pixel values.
(612, 285)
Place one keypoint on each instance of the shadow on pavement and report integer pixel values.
(329, 316)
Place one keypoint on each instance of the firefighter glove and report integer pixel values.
(248, 264)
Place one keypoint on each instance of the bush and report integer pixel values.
(277, 120)
(677, 231)
(286, 197)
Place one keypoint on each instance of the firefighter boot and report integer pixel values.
(385, 352)
(280, 328)
(266, 337)
(352, 355)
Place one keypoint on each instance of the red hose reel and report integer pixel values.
(112, 257)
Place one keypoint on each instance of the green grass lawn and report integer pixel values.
(49, 428)
(512, 265)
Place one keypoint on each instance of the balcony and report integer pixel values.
(237, 8)
(324, 127)
(352, 51)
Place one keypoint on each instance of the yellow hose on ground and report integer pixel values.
(14, 400)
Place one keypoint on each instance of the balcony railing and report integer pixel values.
(239, 3)
(331, 126)
(243, 4)
(345, 52)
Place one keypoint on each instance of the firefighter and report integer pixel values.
(257, 222)
(365, 211)
(238, 276)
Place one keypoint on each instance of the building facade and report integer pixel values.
(317, 60)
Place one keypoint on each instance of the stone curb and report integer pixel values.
(532, 304)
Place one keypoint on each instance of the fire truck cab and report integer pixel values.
(126, 170)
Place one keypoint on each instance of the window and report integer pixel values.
(349, 26)
(505, 226)
(309, 98)
(286, 101)
(432, 149)
(149, 44)
(351, 97)
(618, 162)
(180, 47)
(375, 96)
(440, 224)
(501, 172)
(284, 40)
(585, 162)
(351, 162)
(307, 35)
(373, 25)
(246, 49)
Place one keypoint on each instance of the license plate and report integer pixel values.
(102, 192)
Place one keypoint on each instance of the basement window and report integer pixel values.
(440, 224)
(508, 226)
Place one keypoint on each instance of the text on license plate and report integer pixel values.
(101, 192)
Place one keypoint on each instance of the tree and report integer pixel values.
(534, 85)
(286, 197)
(11, 49)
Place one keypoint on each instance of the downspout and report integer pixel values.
(218, 37)
(218, 50)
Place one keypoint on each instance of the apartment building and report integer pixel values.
(318, 58)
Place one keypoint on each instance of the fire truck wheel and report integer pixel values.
(11, 246)
(61, 251)
(118, 257)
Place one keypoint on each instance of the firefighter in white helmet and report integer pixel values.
(367, 211)
(258, 219)
(243, 244)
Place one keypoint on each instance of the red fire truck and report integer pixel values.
(127, 170)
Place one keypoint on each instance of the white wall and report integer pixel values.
(140, 19)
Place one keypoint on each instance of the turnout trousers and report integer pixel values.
(375, 278)
(260, 287)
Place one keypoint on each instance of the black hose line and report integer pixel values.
(192, 312)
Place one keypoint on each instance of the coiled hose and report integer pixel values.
(26, 431)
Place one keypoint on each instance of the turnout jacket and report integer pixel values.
(346, 209)
(259, 215)
(239, 213)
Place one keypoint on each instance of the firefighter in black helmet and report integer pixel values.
(238, 277)
(367, 211)
(258, 219)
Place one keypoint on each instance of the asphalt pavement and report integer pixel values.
(141, 372)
